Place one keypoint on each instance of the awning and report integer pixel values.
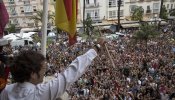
(130, 25)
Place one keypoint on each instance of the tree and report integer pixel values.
(164, 13)
(146, 32)
(88, 25)
(172, 12)
(11, 28)
(90, 30)
(119, 4)
(137, 15)
(37, 18)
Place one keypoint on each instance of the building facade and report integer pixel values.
(20, 11)
(100, 10)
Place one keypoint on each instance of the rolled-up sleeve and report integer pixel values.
(57, 87)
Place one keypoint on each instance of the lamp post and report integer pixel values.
(84, 4)
(119, 4)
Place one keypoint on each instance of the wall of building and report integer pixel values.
(108, 11)
(20, 11)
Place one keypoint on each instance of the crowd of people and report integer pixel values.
(142, 71)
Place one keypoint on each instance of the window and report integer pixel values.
(148, 10)
(26, 2)
(112, 14)
(95, 1)
(34, 8)
(112, 3)
(12, 11)
(171, 6)
(87, 1)
(148, 7)
(133, 0)
(122, 2)
(27, 9)
(21, 8)
(15, 21)
(121, 13)
(94, 14)
(132, 7)
(11, 1)
(167, 6)
(88, 14)
(155, 7)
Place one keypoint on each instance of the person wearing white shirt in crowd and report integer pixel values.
(28, 71)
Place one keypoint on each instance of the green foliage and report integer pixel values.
(38, 17)
(137, 15)
(49, 41)
(164, 14)
(91, 32)
(11, 28)
(146, 32)
(172, 12)
(88, 25)
(36, 38)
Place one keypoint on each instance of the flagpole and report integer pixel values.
(44, 27)
(84, 4)
(107, 50)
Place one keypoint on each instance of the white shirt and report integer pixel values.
(54, 88)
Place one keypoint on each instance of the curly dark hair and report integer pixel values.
(26, 63)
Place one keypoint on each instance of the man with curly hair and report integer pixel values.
(28, 70)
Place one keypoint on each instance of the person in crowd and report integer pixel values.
(4, 68)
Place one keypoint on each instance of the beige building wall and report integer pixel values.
(20, 11)
(101, 10)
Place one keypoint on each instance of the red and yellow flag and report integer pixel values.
(4, 18)
(66, 17)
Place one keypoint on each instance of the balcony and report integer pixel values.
(148, 11)
(11, 2)
(141, 0)
(133, 1)
(26, 2)
(155, 11)
(94, 18)
(94, 5)
(13, 14)
(148, 0)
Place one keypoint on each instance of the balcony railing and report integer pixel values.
(26, 2)
(155, 10)
(133, 0)
(141, 0)
(148, 11)
(11, 2)
(92, 5)
(95, 17)
(155, 0)
(148, 0)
